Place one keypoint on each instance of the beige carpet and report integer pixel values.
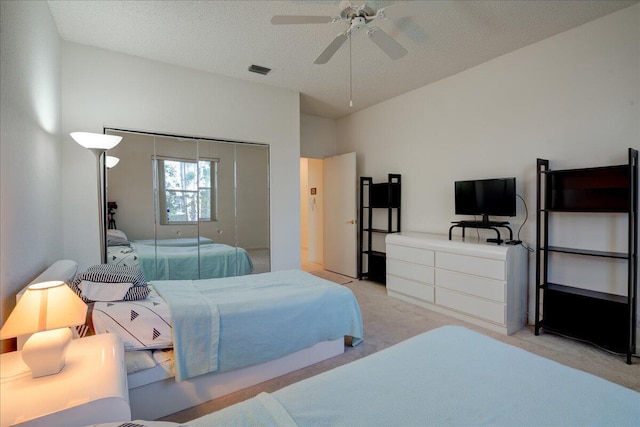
(388, 321)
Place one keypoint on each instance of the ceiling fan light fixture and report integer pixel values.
(358, 14)
(259, 70)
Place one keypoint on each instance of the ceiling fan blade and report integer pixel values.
(301, 19)
(386, 43)
(330, 50)
(400, 10)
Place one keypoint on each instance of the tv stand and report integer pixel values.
(491, 225)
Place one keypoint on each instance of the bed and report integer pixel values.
(260, 336)
(449, 376)
(226, 334)
(170, 261)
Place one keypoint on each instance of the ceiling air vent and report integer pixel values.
(258, 69)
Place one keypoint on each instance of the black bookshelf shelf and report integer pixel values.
(604, 319)
(603, 296)
(384, 198)
(603, 254)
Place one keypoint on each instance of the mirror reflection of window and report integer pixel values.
(187, 190)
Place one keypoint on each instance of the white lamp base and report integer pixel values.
(44, 352)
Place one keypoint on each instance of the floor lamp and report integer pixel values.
(99, 143)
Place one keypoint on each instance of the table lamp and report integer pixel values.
(45, 310)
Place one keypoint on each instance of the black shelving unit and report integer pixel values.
(604, 319)
(386, 198)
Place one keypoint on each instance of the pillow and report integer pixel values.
(117, 238)
(110, 274)
(142, 325)
(104, 291)
(117, 233)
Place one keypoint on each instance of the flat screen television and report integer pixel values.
(495, 197)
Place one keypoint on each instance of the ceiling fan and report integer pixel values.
(358, 14)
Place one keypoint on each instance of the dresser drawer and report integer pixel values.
(410, 288)
(485, 309)
(415, 255)
(485, 267)
(407, 270)
(473, 285)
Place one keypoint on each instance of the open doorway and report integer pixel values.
(311, 214)
(328, 214)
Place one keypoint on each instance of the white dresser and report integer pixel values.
(484, 284)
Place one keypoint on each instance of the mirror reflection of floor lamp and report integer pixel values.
(110, 162)
(99, 143)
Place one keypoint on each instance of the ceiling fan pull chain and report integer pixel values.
(350, 76)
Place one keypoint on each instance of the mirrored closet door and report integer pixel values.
(188, 208)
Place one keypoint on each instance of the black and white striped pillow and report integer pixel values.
(107, 273)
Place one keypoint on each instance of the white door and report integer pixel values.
(340, 214)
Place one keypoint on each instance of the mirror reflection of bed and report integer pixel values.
(188, 208)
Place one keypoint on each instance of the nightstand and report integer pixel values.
(91, 388)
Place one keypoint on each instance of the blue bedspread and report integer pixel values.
(449, 376)
(182, 262)
(258, 317)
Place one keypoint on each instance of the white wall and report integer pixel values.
(318, 137)
(103, 88)
(573, 99)
(30, 147)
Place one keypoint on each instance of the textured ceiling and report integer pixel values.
(225, 37)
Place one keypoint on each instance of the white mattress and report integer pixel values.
(164, 369)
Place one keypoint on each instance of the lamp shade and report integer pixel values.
(111, 161)
(44, 306)
(96, 140)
